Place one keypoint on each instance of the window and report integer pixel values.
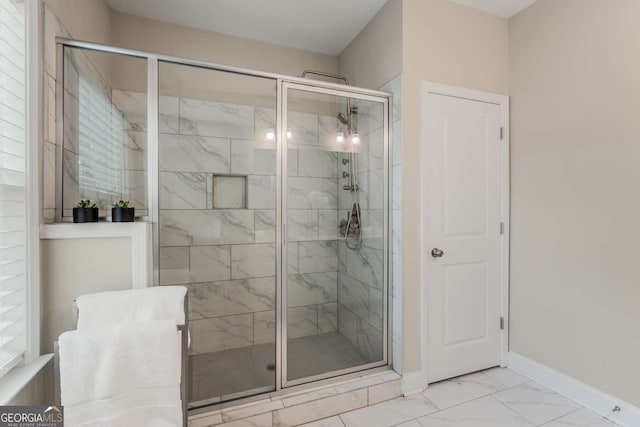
(13, 197)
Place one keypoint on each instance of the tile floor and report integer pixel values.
(492, 398)
(224, 375)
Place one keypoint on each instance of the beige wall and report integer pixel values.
(74, 267)
(88, 20)
(447, 43)
(170, 39)
(150, 35)
(375, 56)
(37, 391)
(575, 89)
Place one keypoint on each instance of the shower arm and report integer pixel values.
(337, 77)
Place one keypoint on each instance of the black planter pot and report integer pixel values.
(123, 214)
(85, 215)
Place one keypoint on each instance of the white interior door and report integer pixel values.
(462, 235)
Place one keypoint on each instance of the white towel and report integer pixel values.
(126, 374)
(133, 305)
(130, 410)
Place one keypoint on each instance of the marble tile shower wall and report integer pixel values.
(360, 272)
(227, 256)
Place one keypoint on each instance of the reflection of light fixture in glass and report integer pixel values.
(289, 134)
(355, 139)
(271, 134)
(340, 137)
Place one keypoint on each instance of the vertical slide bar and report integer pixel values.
(387, 241)
(281, 235)
(152, 162)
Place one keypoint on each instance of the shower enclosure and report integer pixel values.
(269, 200)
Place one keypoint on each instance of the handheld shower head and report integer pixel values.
(343, 119)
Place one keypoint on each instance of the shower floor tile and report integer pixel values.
(225, 374)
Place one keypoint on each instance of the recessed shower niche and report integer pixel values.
(229, 191)
(269, 198)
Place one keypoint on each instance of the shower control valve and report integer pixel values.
(345, 174)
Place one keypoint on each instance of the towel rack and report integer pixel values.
(184, 337)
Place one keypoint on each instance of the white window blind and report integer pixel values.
(12, 185)
(101, 152)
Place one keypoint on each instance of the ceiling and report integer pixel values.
(503, 8)
(325, 26)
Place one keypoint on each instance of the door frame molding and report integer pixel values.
(426, 88)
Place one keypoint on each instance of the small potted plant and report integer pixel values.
(85, 211)
(121, 212)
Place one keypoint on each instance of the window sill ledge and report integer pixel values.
(93, 230)
(15, 380)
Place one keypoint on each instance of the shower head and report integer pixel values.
(343, 119)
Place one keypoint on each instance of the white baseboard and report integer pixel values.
(586, 395)
(413, 383)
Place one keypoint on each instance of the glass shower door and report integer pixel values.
(217, 213)
(335, 211)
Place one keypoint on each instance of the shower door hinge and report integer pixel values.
(501, 133)
(502, 323)
(502, 228)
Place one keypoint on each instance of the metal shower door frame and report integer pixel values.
(312, 86)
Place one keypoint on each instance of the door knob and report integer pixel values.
(436, 253)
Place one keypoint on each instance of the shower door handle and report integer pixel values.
(437, 253)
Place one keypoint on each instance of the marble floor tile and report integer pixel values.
(319, 409)
(308, 397)
(385, 391)
(526, 404)
(536, 403)
(232, 414)
(263, 420)
(389, 413)
(206, 421)
(484, 412)
(326, 422)
(412, 423)
(581, 418)
(354, 385)
(446, 394)
(507, 377)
